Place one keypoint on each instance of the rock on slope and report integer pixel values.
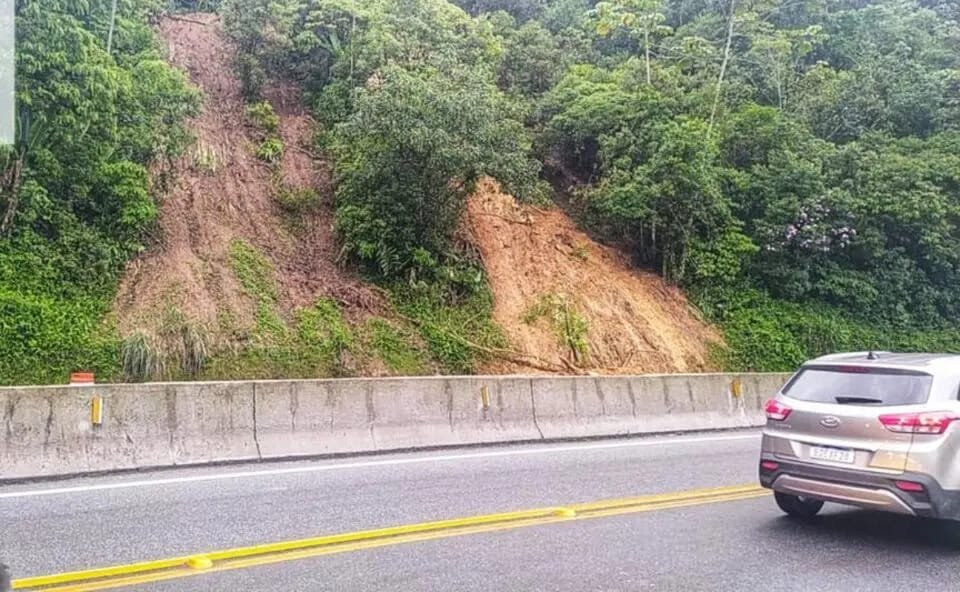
(635, 321)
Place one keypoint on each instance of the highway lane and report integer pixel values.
(731, 545)
(743, 546)
(85, 524)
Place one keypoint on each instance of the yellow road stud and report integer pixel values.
(200, 562)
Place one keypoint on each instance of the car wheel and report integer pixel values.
(796, 506)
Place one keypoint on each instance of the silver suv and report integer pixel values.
(875, 430)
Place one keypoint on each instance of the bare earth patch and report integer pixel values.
(222, 192)
(636, 322)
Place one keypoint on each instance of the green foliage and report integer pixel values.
(459, 335)
(765, 334)
(569, 325)
(193, 5)
(396, 347)
(797, 167)
(411, 154)
(178, 351)
(44, 339)
(270, 150)
(297, 200)
(319, 344)
(141, 358)
(76, 200)
(253, 271)
(262, 115)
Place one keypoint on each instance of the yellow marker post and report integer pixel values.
(735, 388)
(96, 410)
(485, 397)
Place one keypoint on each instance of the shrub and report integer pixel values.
(270, 150)
(262, 115)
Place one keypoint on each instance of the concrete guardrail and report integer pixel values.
(52, 431)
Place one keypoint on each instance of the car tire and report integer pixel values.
(796, 506)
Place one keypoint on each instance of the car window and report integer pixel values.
(860, 385)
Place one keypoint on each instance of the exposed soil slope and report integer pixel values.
(222, 192)
(636, 322)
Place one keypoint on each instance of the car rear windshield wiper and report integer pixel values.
(853, 400)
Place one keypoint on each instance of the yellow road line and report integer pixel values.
(232, 559)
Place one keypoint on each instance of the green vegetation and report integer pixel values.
(178, 351)
(270, 150)
(794, 166)
(262, 115)
(458, 336)
(569, 325)
(76, 201)
(396, 346)
(297, 200)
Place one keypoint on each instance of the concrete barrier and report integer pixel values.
(49, 431)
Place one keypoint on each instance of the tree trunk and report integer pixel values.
(646, 47)
(113, 24)
(723, 67)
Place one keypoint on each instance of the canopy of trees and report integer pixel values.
(805, 152)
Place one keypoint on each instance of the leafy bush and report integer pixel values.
(765, 334)
(270, 150)
(458, 335)
(297, 200)
(262, 115)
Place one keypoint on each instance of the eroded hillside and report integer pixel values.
(563, 298)
(223, 203)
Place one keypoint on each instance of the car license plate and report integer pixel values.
(840, 455)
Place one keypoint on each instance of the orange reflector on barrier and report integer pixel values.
(81, 378)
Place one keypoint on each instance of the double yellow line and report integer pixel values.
(230, 559)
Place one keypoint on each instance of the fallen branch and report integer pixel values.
(504, 354)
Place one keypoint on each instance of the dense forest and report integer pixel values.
(793, 165)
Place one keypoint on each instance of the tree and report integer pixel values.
(411, 154)
(643, 18)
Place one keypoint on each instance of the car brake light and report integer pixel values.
(776, 410)
(909, 486)
(919, 423)
(769, 465)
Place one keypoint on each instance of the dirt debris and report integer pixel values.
(636, 322)
(221, 192)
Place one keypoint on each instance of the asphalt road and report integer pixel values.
(730, 545)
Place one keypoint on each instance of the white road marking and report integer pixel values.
(316, 468)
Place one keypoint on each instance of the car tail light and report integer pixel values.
(769, 465)
(909, 486)
(776, 410)
(919, 423)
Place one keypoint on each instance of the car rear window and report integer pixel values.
(873, 386)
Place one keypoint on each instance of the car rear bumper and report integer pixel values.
(862, 489)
